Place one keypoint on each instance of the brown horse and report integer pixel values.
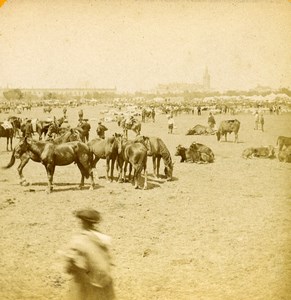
(17, 124)
(134, 154)
(24, 157)
(8, 132)
(133, 125)
(48, 127)
(159, 150)
(105, 149)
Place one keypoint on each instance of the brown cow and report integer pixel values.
(285, 155)
(262, 152)
(200, 130)
(228, 126)
(283, 141)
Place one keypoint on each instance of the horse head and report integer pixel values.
(119, 139)
(169, 171)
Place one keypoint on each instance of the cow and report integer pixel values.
(200, 130)
(283, 141)
(206, 155)
(228, 126)
(261, 152)
(285, 155)
(187, 155)
(196, 153)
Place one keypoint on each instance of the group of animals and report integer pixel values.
(69, 148)
(229, 126)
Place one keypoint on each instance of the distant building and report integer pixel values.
(181, 87)
(66, 92)
(261, 89)
(206, 80)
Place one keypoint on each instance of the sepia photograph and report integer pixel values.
(145, 149)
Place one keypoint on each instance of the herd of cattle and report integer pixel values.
(69, 147)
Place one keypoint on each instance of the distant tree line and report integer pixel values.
(17, 94)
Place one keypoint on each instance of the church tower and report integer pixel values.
(206, 80)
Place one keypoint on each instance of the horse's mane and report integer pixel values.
(165, 153)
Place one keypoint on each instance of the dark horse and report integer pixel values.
(51, 155)
(105, 149)
(159, 150)
(134, 125)
(134, 154)
(8, 132)
(17, 124)
(69, 136)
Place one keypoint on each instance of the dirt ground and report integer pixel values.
(217, 231)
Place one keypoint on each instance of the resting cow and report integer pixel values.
(285, 155)
(197, 153)
(283, 141)
(200, 130)
(228, 126)
(206, 155)
(262, 152)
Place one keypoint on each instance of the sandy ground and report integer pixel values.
(217, 231)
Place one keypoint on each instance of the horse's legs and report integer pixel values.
(236, 138)
(145, 186)
(85, 166)
(107, 167)
(158, 166)
(7, 143)
(130, 170)
(50, 169)
(112, 168)
(155, 166)
(92, 180)
(94, 162)
(124, 171)
(11, 139)
(24, 159)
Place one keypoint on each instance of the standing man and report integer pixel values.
(153, 114)
(199, 110)
(262, 121)
(65, 112)
(256, 120)
(171, 124)
(88, 260)
(211, 121)
(28, 129)
(101, 130)
(80, 114)
(86, 128)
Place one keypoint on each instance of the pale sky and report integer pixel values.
(135, 45)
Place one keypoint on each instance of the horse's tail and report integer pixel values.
(12, 161)
(86, 166)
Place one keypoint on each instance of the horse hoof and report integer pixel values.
(25, 183)
(136, 187)
(91, 188)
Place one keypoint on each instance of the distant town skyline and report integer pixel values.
(137, 45)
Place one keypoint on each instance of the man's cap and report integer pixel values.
(88, 215)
